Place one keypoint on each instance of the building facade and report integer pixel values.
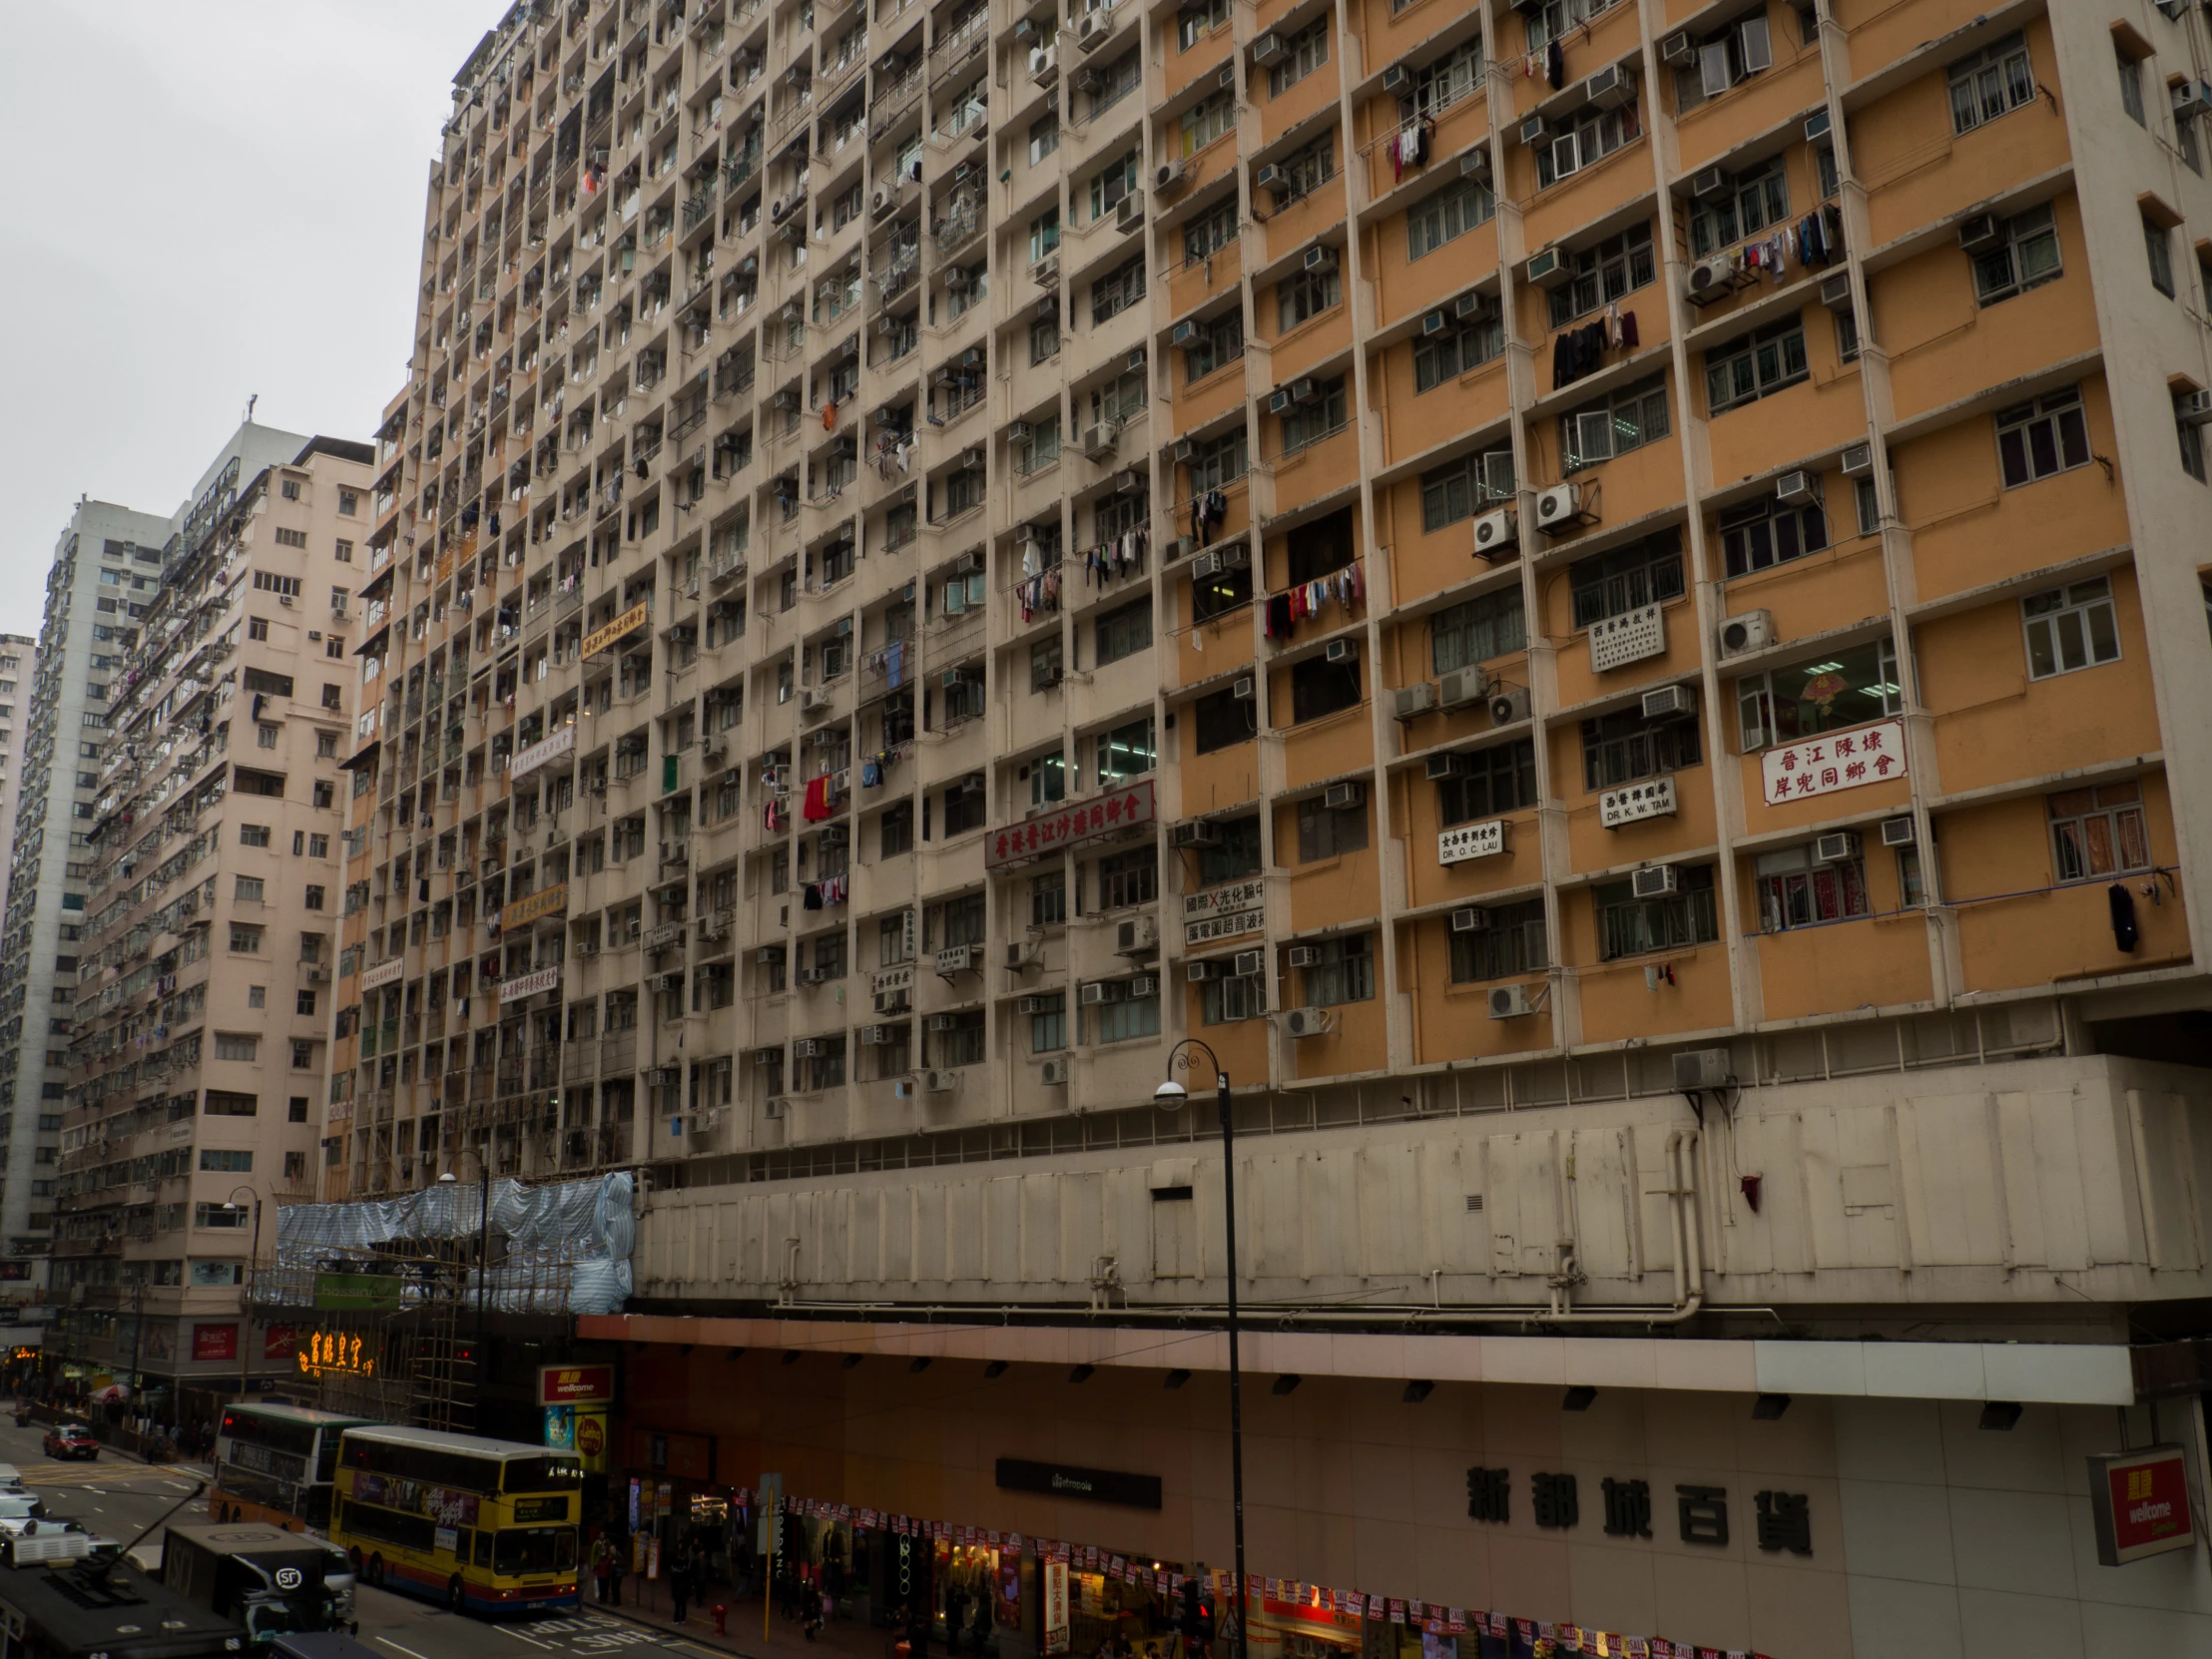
(201, 1009)
(1605, 601)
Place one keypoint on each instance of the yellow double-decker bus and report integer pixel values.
(488, 1527)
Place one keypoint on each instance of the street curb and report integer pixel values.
(675, 1632)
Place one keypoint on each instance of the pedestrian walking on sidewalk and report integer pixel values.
(678, 1581)
(617, 1543)
(600, 1552)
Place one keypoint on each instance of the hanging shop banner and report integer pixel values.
(591, 1439)
(1055, 1607)
(2139, 1504)
(525, 985)
(1834, 760)
(624, 625)
(215, 1342)
(546, 901)
(633, 1503)
(529, 758)
(384, 973)
(1082, 820)
(576, 1384)
(1228, 911)
(1139, 1492)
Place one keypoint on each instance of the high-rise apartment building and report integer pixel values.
(202, 1011)
(1606, 601)
(106, 563)
(18, 672)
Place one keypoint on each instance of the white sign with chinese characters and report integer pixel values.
(1833, 761)
(1225, 912)
(1616, 641)
(1470, 840)
(1653, 798)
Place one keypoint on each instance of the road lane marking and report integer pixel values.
(409, 1651)
(520, 1637)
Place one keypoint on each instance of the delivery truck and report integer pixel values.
(272, 1581)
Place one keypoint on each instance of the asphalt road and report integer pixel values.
(117, 1497)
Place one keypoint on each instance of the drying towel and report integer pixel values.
(817, 798)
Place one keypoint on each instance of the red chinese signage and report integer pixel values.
(2139, 1504)
(1834, 760)
(215, 1342)
(1079, 822)
(575, 1385)
(278, 1342)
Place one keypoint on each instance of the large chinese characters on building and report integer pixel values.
(1081, 821)
(1834, 760)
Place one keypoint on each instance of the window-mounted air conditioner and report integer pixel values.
(1654, 881)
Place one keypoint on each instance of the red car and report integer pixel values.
(70, 1440)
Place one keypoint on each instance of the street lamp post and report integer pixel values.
(1171, 1096)
(252, 1261)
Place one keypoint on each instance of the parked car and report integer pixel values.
(70, 1440)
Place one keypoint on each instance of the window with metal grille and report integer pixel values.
(1631, 926)
(1509, 941)
(2100, 832)
(1344, 973)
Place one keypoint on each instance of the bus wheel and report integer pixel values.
(455, 1597)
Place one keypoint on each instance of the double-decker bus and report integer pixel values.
(273, 1464)
(487, 1525)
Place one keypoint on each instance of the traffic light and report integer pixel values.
(1197, 1618)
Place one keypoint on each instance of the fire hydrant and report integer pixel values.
(722, 1612)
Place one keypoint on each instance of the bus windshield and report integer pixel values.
(527, 1549)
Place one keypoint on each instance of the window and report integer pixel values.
(223, 1103)
(1549, 19)
(1207, 233)
(1511, 941)
(2158, 243)
(1048, 779)
(1044, 339)
(1489, 781)
(1629, 419)
(1867, 500)
(303, 1002)
(2070, 628)
(1846, 337)
(1200, 20)
(1048, 1023)
(1752, 203)
(268, 582)
(963, 806)
(1125, 751)
(1126, 879)
(1992, 82)
(265, 736)
(319, 846)
(1223, 719)
(1240, 996)
(1615, 268)
(1048, 899)
(1111, 182)
(349, 502)
(344, 552)
(1217, 463)
(1628, 925)
(1744, 48)
(1463, 487)
(1762, 534)
(1130, 1018)
(256, 627)
(895, 830)
(1117, 291)
(313, 898)
(1458, 350)
(2130, 70)
(1344, 973)
(1319, 688)
(1447, 214)
(1311, 422)
(249, 888)
(291, 538)
(1794, 891)
(1648, 572)
(2099, 832)
(2192, 441)
(1044, 233)
(1440, 85)
(1235, 853)
(225, 1163)
(244, 940)
(1755, 366)
(1849, 689)
(1325, 831)
(1041, 447)
(1117, 81)
(1476, 631)
(1218, 594)
(1044, 138)
(253, 835)
(1623, 746)
(1302, 52)
(2037, 440)
(1595, 135)
(1304, 297)
(236, 1045)
(1217, 343)
(1045, 666)
(1207, 119)
(1124, 631)
(2025, 256)
(225, 1214)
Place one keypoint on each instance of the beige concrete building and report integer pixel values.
(1606, 600)
(203, 1006)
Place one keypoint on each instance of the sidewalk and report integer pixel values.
(840, 1639)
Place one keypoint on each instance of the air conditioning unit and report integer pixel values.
(1533, 131)
(1670, 703)
(1980, 234)
(1244, 689)
(1653, 882)
(1559, 507)
(1100, 991)
(1205, 565)
(1305, 955)
(2193, 408)
(1495, 532)
(1046, 270)
(806, 1048)
(1799, 489)
(1704, 1068)
(1753, 630)
(2191, 99)
(891, 1002)
(1168, 176)
(1549, 268)
(1130, 214)
(1307, 1022)
(1710, 278)
(1097, 440)
(939, 1082)
(1509, 1003)
(1044, 64)
(1417, 699)
(1197, 974)
(875, 1037)
(1087, 79)
(1017, 431)
(1475, 164)
(1840, 847)
(1437, 768)
(1471, 921)
(1196, 832)
(1816, 126)
(1836, 292)
(1320, 260)
(1858, 460)
(1340, 651)
(1434, 322)
(1136, 936)
(1510, 706)
(1341, 798)
(1396, 78)
(1679, 49)
(1266, 49)
(942, 1022)
(881, 200)
(1278, 400)
(1144, 985)
(1246, 964)
(1896, 832)
(776, 1105)
(1057, 1070)
(1463, 688)
(809, 700)
(1272, 179)
(1181, 451)
(1611, 87)
(1709, 182)
(1474, 304)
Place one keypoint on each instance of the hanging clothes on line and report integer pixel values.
(817, 807)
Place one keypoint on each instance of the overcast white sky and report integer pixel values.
(217, 197)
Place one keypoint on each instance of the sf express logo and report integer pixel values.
(290, 1578)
